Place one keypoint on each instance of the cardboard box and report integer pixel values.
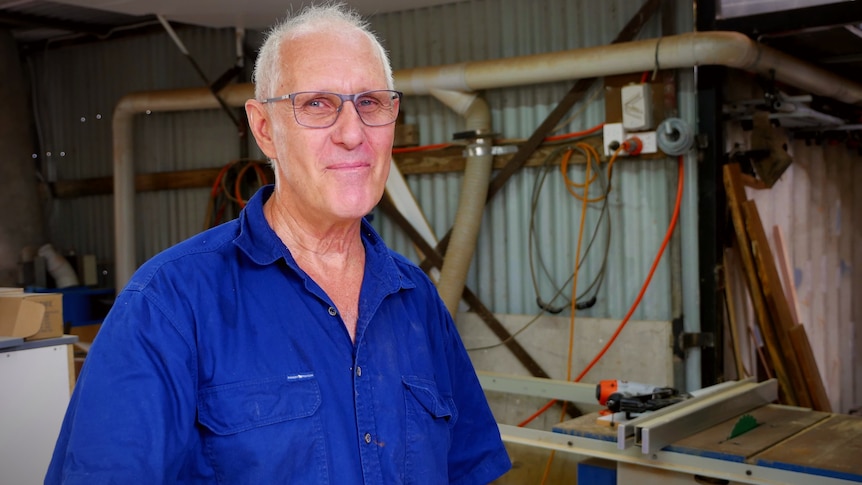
(33, 316)
(20, 317)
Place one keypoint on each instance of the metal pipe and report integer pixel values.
(124, 163)
(729, 49)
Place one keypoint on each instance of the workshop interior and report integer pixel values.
(642, 214)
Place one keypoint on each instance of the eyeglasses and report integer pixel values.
(319, 109)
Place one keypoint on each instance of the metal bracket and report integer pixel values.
(686, 340)
(702, 339)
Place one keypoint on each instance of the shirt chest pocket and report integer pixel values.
(254, 428)
(430, 417)
(233, 408)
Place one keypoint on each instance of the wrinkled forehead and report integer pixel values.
(327, 57)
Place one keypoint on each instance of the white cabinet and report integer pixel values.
(35, 385)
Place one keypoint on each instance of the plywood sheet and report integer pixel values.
(831, 448)
(643, 352)
(775, 424)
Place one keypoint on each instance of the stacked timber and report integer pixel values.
(786, 347)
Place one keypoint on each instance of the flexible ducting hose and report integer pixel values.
(474, 193)
(465, 231)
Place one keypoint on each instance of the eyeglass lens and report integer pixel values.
(320, 109)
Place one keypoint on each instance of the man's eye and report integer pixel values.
(368, 102)
(318, 104)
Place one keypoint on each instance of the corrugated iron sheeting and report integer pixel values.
(77, 88)
(639, 207)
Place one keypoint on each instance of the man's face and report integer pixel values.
(337, 173)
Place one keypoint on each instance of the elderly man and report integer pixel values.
(290, 345)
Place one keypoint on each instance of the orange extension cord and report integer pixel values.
(625, 320)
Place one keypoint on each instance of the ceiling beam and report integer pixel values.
(27, 21)
(794, 20)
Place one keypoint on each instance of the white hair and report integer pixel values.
(329, 17)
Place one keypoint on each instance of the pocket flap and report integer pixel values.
(426, 393)
(233, 408)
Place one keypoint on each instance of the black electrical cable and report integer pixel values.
(597, 281)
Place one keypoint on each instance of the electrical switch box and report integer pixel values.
(614, 135)
(636, 100)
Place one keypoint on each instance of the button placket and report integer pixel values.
(333, 311)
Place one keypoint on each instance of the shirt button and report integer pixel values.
(358, 371)
(367, 438)
(333, 311)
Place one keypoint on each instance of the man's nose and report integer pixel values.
(349, 125)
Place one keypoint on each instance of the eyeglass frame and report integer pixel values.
(343, 97)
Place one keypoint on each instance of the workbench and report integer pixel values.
(688, 442)
(798, 444)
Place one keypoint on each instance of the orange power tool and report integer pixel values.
(634, 397)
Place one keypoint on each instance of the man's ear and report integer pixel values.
(261, 126)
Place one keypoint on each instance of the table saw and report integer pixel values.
(700, 441)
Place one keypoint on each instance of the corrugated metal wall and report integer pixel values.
(77, 88)
(639, 207)
(75, 91)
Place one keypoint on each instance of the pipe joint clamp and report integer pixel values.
(481, 142)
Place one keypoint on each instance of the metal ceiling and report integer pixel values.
(826, 34)
(829, 35)
(33, 22)
(38, 21)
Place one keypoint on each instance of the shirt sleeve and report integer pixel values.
(133, 405)
(477, 454)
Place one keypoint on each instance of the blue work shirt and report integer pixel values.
(223, 362)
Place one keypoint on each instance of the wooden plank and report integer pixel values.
(786, 268)
(830, 448)
(741, 373)
(587, 426)
(70, 362)
(775, 301)
(179, 179)
(755, 346)
(813, 379)
(623, 360)
(451, 158)
(735, 199)
(775, 424)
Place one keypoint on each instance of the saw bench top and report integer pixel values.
(788, 438)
